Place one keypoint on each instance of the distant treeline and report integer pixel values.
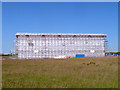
(112, 52)
(5, 54)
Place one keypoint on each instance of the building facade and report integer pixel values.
(59, 45)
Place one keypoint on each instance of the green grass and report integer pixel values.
(99, 72)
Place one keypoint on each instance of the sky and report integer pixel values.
(59, 17)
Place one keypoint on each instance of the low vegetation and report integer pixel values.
(101, 72)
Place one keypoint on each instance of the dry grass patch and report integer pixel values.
(101, 72)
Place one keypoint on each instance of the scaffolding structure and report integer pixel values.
(59, 45)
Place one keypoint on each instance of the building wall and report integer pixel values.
(53, 46)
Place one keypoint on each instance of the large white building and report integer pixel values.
(59, 45)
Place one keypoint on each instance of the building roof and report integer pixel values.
(78, 34)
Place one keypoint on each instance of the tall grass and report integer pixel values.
(99, 72)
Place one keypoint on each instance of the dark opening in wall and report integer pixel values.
(86, 42)
(31, 44)
(59, 35)
(27, 35)
(43, 35)
(89, 36)
(74, 36)
(17, 36)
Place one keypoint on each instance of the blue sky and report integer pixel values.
(63, 17)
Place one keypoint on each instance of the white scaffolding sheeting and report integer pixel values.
(59, 45)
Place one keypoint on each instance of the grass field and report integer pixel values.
(101, 72)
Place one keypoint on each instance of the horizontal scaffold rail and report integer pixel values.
(70, 34)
